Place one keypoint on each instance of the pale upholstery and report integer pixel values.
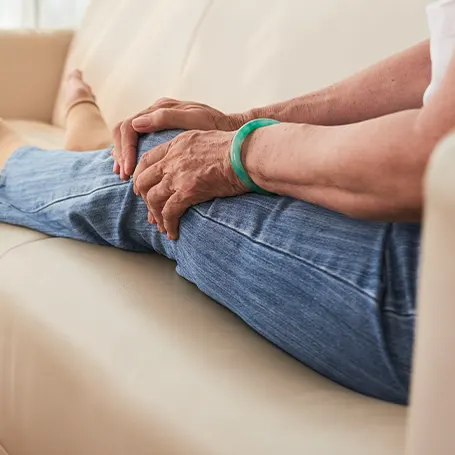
(233, 54)
(107, 352)
(123, 356)
(434, 379)
(30, 73)
(11, 237)
(37, 133)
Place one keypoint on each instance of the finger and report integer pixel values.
(117, 150)
(159, 104)
(151, 218)
(149, 159)
(123, 175)
(156, 200)
(162, 103)
(129, 147)
(164, 119)
(116, 168)
(151, 177)
(172, 212)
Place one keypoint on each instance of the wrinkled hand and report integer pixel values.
(194, 167)
(166, 113)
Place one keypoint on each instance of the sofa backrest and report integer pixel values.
(233, 54)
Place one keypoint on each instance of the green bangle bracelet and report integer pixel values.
(236, 152)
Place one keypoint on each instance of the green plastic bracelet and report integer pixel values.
(236, 152)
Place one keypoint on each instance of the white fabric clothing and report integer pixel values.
(441, 20)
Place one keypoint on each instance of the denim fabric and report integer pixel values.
(336, 293)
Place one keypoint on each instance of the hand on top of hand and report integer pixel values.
(166, 113)
(194, 167)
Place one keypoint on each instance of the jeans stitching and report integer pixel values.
(389, 364)
(391, 311)
(67, 198)
(274, 248)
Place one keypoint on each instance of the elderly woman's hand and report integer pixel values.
(192, 168)
(166, 113)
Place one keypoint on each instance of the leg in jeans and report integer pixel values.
(336, 293)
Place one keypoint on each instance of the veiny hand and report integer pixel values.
(194, 167)
(166, 113)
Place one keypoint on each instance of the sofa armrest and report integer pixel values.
(31, 69)
(432, 411)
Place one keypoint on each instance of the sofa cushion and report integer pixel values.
(135, 358)
(11, 237)
(39, 134)
(233, 54)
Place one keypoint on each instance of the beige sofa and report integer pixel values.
(105, 352)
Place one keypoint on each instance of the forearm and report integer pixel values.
(395, 84)
(371, 170)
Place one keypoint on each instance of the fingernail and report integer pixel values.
(141, 122)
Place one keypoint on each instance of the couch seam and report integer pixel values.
(194, 35)
(3, 255)
(2, 446)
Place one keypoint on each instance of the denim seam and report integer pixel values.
(385, 308)
(398, 314)
(57, 201)
(392, 371)
(384, 312)
(274, 248)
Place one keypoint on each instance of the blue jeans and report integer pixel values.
(336, 293)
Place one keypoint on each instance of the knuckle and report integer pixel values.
(165, 100)
(150, 200)
(153, 197)
(125, 126)
(140, 184)
(168, 212)
(117, 128)
(144, 159)
(190, 136)
(160, 115)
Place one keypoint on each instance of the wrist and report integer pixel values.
(314, 108)
(254, 157)
(236, 121)
(273, 156)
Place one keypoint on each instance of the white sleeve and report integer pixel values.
(441, 21)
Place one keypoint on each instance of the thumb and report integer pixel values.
(143, 124)
(166, 119)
